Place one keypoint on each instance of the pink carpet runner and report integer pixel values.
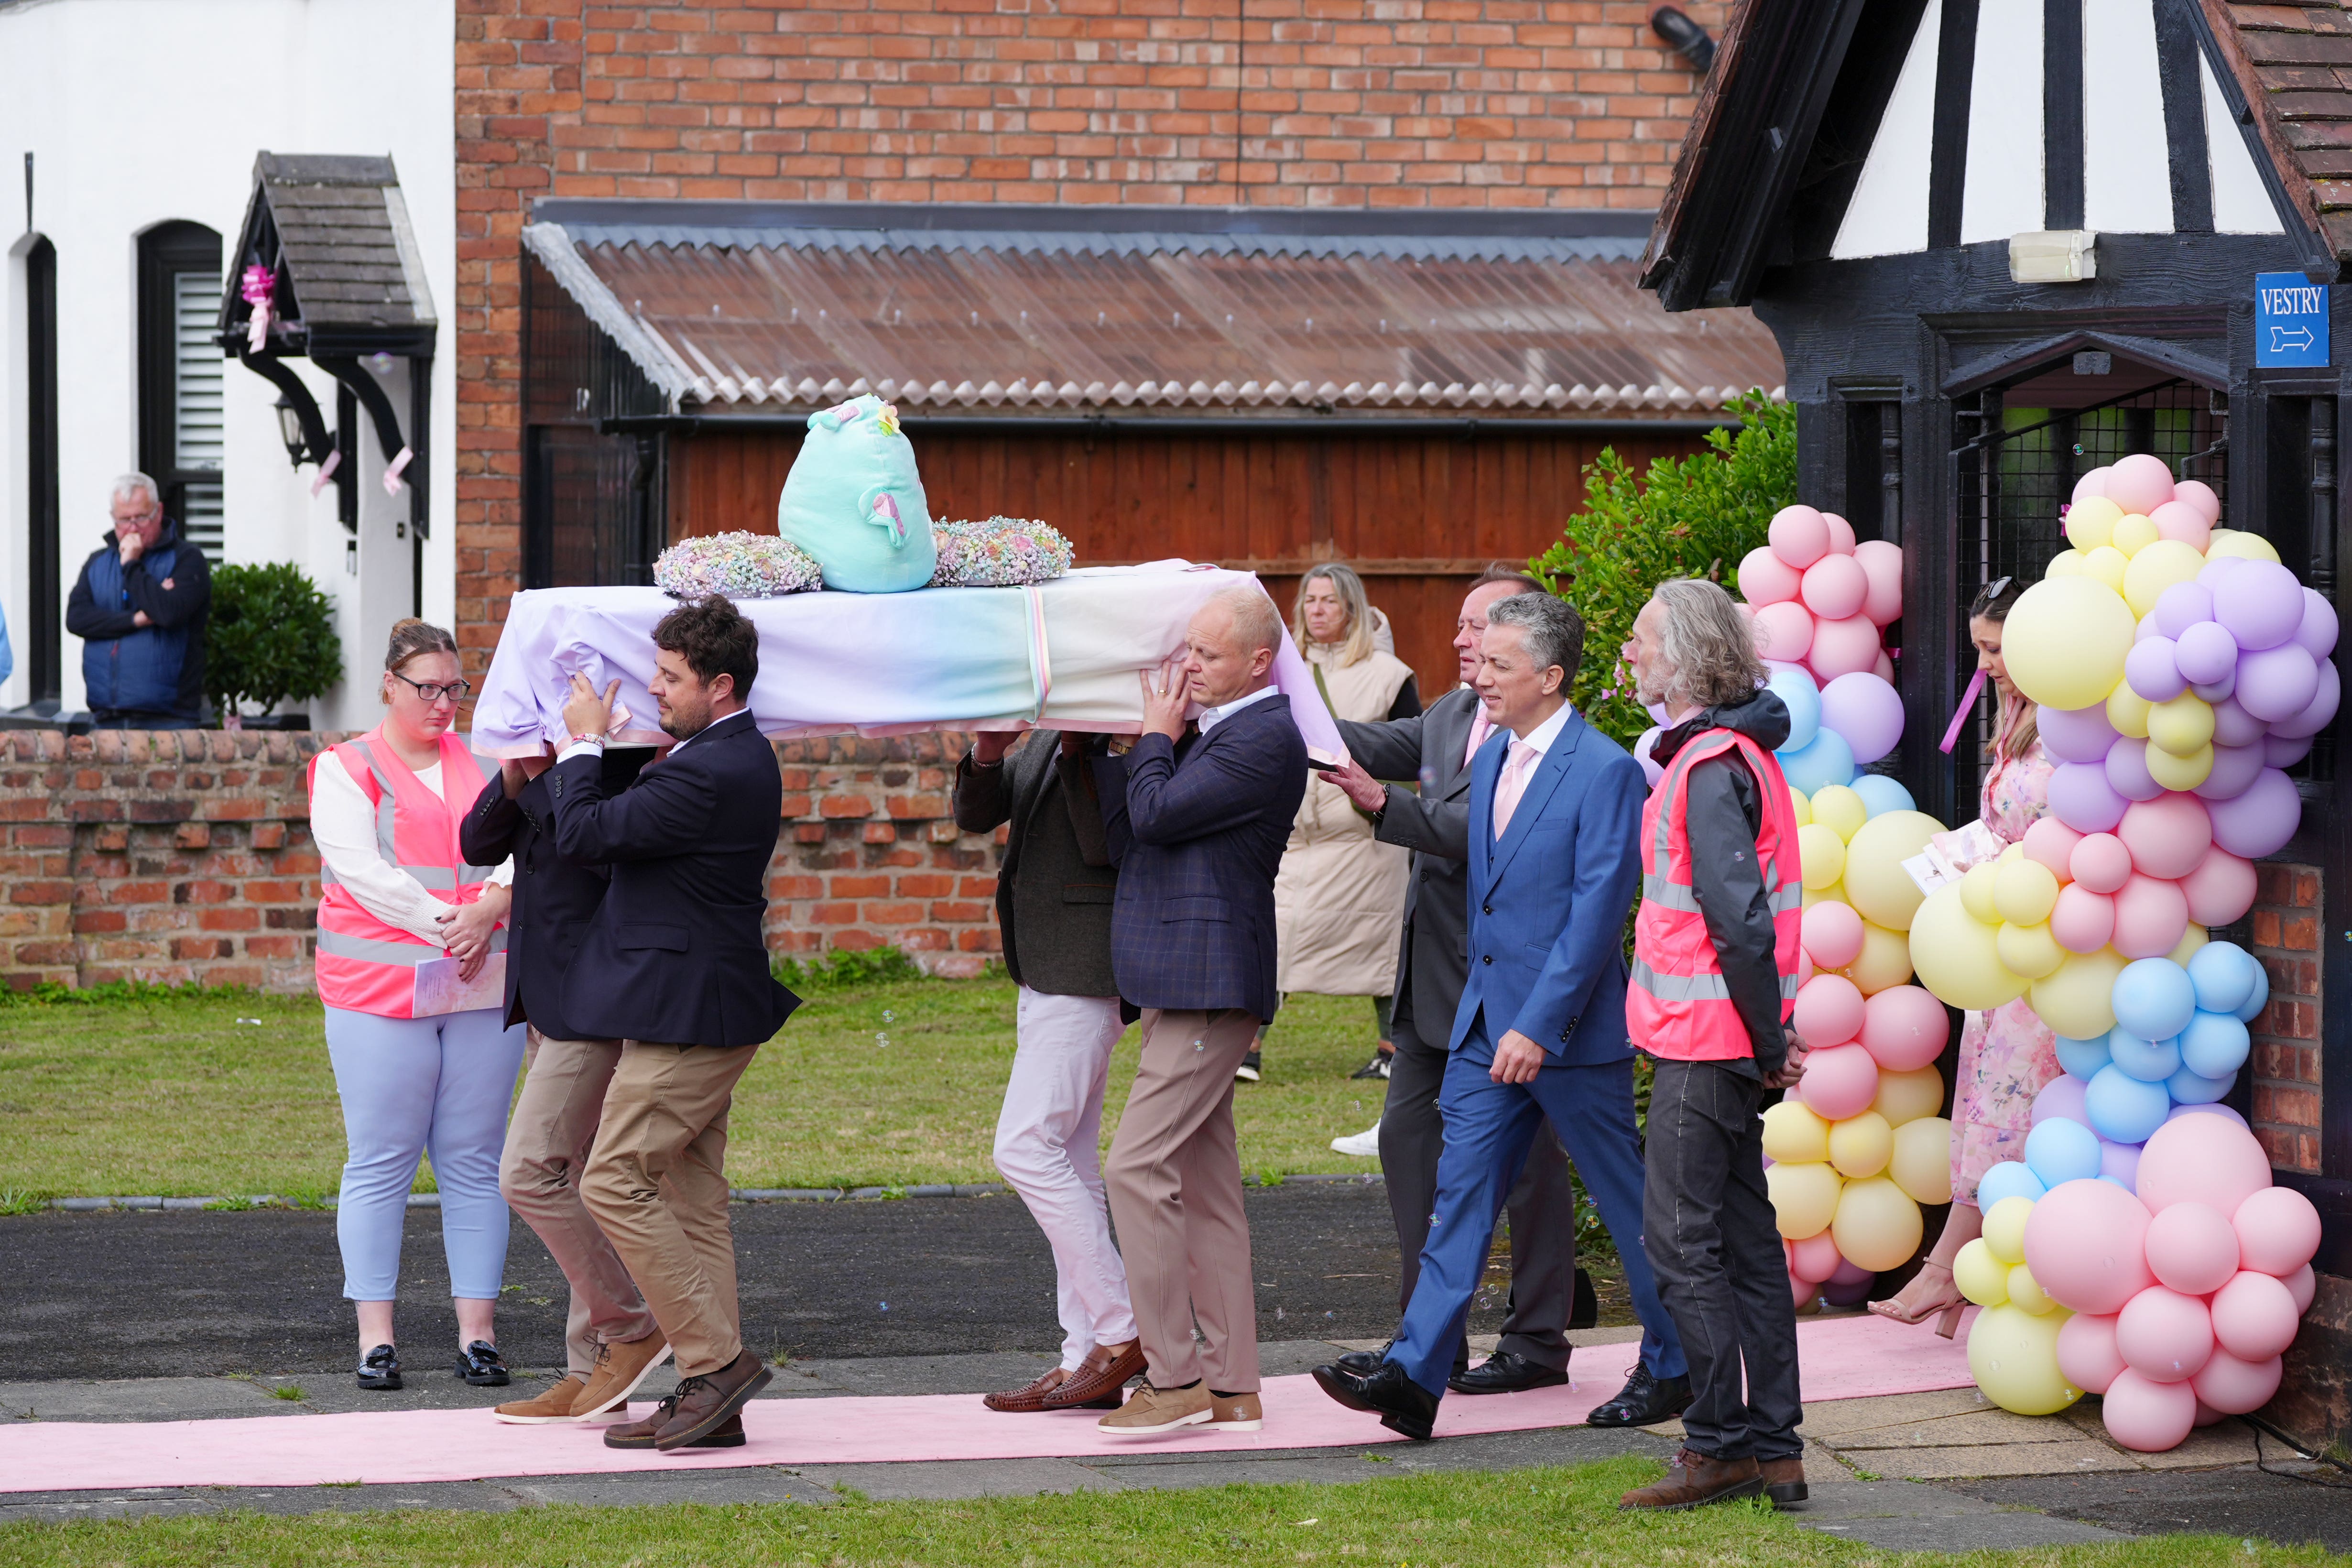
(1842, 1358)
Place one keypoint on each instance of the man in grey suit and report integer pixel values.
(1055, 890)
(1435, 749)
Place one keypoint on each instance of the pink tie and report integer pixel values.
(1513, 784)
(1479, 729)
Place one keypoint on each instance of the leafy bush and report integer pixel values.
(1688, 517)
(271, 639)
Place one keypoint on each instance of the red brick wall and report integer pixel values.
(2285, 1061)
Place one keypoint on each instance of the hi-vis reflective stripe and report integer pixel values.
(433, 877)
(1674, 895)
(374, 949)
(1696, 987)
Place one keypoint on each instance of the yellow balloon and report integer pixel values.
(2025, 1295)
(2133, 533)
(2065, 639)
(1821, 853)
(1978, 885)
(1795, 1134)
(2065, 563)
(2029, 951)
(2078, 1000)
(1876, 1226)
(2233, 542)
(2107, 566)
(2195, 937)
(1800, 805)
(1922, 1162)
(1804, 1198)
(1861, 1145)
(2013, 1356)
(2128, 710)
(2090, 522)
(2024, 891)
(2181, 725)
(2005, 1228)
(1884, 960)
(1907, 1097)
(1832, 894)
(2015, 852)
(1876, 884)
(1981, 1276)
(2157, 566)
(2179, 772)
(1837, 807)
(1957, 956)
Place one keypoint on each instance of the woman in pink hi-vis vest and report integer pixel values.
(410, 966)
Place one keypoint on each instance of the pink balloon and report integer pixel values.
(1881, 567)
(1786, 630)
(2151, 917)
(2181, 606)
(2083, 921)
(2176, 519)
(1815, 1259)
(1841, 1080)
(2052, 842)
(2317, 633)
(2304, 1286)
(2316, 715)
(1902, 1027)
(2235, 1387)
(2202, 1159)
(1800, 535)
(1806, 967)
(1864, 709)
(2075, 735)
(1829, 1011)
(1765, 579)
(2139, 483)
(2152, 669)
(2086, 1243)
(2260, 604)
(2087, 1356)
(2149, 1417)
(2260, 822)
(1802, 1291)
(1883, 668)
(2221, 890)
(2205, 651)
(2164, 1335)
(1650, 769)
(2191, 1248)
(2277, 1230)
(2224, 1112)
(1832, 934)
(2254, 1316)
(1848, 647)
(2061, 1097)
(2234, 769)
(2082, 798)
(1841, 534)
(2127, 769)
(2166, 835)
(1834, 587)
(2094, 483)
(2102, 863)
(2199, 494)
(2276, 683)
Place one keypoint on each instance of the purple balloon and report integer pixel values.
(2233, 726)
(2258, 822)
(2260, 605)
(2205, 651)
(2276, 683)
(2061, 1097)
(2319, 713)
(2126, 769)
(2076, 734)
(2152, 671)
(2316, 634)
(1867, 712)
(2220, 566)
(2120, 1161)
(2082, 798)
(2219, 690)
(1847, 1292)
(2278, 752)
(2235, 768)
(2146, 629)
(2181, 606)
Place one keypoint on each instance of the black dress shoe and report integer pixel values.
(380, 1369)
(480, 1364)
(1505, 1371)
(1644, 1400)
(1363, 1363)
(1402, 1405)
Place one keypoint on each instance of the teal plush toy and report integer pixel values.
(854, 501)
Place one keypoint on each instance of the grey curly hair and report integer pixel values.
(1708, 643)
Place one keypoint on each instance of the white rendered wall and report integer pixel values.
(140, 111)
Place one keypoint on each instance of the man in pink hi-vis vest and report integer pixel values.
(1714, 977)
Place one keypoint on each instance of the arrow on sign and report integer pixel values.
(2281, 338)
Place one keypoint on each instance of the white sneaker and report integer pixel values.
(1365, 1144)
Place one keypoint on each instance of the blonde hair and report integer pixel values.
(1708, 645)
(1358, 644)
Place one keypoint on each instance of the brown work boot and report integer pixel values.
(641, 1433)
(1150, 1412)
(1695, 1479)
(1030, 1397)
(552, 1405)
(1236, 1412)
(706, 1400)
(1096, 1385)
(619, 1370)
(1784, 1481)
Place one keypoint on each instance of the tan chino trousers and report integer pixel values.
(656, 1182)
(1175, 1184)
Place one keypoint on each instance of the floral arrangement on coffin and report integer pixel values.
(740, 565)
(1001, 553)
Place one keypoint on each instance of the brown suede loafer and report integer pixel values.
(620, 1368)
(1100, 1378)
(1029, 1397)
(542, 1409)
(705, 1402)
(1697, 1478)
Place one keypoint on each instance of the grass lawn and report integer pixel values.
(1505, 1520)
(879, 1085)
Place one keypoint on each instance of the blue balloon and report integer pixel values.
(2118, 1180)
(2151, 1061)
(2124, 1108)
(2252, 1007)
(2153, 999)
(2215, 1045)
(2223, 975)
(2062, 1150)
(1802, 697)
(2082, 1058)
(2009, 1179)
(1827, 761)
(1880, 792)
(2192, 1088)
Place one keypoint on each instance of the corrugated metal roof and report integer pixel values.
(749, 312)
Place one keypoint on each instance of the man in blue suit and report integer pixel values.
(1556, 817)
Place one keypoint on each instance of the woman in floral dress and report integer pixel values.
(2006, 1055)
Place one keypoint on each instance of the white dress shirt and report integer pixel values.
(1540, 740)
(342, 824)
(1212, 717)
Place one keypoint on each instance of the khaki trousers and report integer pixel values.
(548, 1142)
(1175, 1182)
(656, 1182)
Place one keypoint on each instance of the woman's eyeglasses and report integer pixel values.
(433, 691)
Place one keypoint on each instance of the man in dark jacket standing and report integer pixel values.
(139, 607)
(674, 964)
(1055, 890)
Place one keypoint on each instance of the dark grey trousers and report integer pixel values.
(1542, 1205)
(1706, 1225)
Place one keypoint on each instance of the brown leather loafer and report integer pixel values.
(1097, 1383)
(1784, 1481)
(1029, 1397)
(1695, 1479)
(704, 1403)
(728, 1433)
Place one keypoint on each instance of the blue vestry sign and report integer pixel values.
(2290, 321)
